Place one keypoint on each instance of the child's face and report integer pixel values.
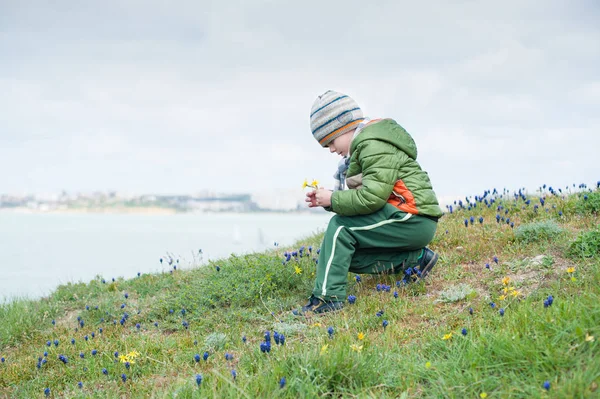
(341, 144)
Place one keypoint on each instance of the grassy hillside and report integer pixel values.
(512, 309)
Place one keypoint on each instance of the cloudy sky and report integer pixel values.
(184, 96)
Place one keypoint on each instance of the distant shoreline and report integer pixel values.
(134, 211)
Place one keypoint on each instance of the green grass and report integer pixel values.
(546, 253)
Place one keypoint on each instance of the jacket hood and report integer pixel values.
(389, 131)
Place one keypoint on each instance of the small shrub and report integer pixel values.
(538, 231)
(587, 245)
(215, 341)
(588, 206)
(456, 293)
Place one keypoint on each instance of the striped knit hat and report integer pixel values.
(332, 115)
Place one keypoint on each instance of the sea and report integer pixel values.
(40, 251)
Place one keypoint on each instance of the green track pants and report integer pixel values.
(369, 244)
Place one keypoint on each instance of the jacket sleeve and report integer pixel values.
(380, 163)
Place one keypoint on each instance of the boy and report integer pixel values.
(389, 213)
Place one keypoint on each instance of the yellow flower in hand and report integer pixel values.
(314, 184)
(305, 184)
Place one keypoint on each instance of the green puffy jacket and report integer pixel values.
(383, 168)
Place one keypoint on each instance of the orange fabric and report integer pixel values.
(403, 199)
(337, 130)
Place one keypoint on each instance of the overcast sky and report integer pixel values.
(183, 96)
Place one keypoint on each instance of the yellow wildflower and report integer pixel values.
(428, 365)
(502, 297)
(505, 280)
(123, 358)
(589, 338)
(314, 184)
(511, 288)
(356, 348)
(483, 395)
(317, 325)
(324, 349)
(505, 290)
(447, 336)
(298, 270)
(571, 270)
(361, 336)
(515, 293)
(573, 279)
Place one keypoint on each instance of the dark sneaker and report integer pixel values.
(427, 262)
(312, 303)
(318, 306)
(328, 306)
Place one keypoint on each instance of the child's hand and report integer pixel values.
(323, 197)
(311, 199)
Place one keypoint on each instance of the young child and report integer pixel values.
(389, 213)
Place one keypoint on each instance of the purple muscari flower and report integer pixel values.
(45, 354)
(205, 356)
(183, 312)
(495, 259)
(387, 288)
(395, 294)
(493, 305)
(497, 218)
(116, 354)
(80, 384)
(87, 307)
(78, 318)
(282, 382)
(480, 219)
(197, 357)
(385, 323)
(124, 377)
(2, 359)
(357, 278)
(198, 379)
(127, 365)
(379, 313)
(351, 299)
(171, 311)
(281, 339)
(487, 265)
(138, 326)
(466, 222)
(47, 391)
(122, 321)
(185, 324)
(100, 330)
(265, 347)
(155, 324)
(126, 295)
(139, 274)
(218, 268)
(470, 310)
(464, 331)
(94, 352)
(81, 355)
(501, 311)
(49, 343)
(233, 374)
(63, 359)
(378, 287)
(330, 332)
(105, 371)
(55, 342)
(472, 219)
(276, 337)
(560, 213)
(103, 281)
(123, 306)
(93, 334)
(228, 356)
(244, 339)
(268, 336)
(53, 322)
(85, 337)
(546, 385)
(512, 225)
(73, 341)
